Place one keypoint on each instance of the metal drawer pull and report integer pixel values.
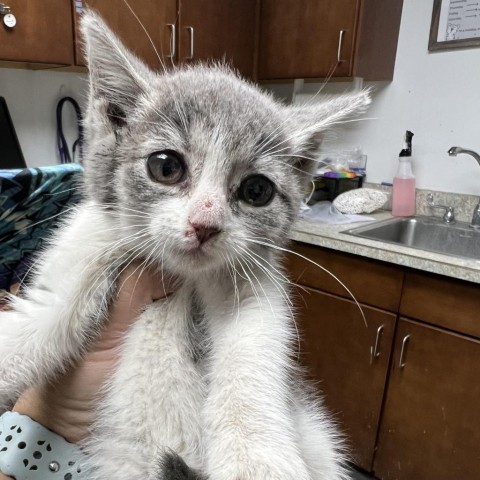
(4, 9)
(173, 42)
(190, 31)
(340, 45)
(374, 351)
(401, 362)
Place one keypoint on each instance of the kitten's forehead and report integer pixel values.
(215, 100)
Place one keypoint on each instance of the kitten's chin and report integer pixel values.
(194, 261)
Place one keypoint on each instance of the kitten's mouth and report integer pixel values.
(196, 249)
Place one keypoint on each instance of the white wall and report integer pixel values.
(435, 95)
(32, 97)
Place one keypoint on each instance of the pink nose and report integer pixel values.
(204, 232)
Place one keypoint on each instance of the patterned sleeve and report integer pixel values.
(31, 202)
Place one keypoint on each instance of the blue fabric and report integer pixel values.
(31, 202)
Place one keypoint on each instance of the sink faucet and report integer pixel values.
(453, 152)
(449, 216)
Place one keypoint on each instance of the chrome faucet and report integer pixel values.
(453, 152)
(449, 216)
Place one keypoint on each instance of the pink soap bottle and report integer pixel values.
(403, 197)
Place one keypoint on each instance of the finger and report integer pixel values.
(137, 288)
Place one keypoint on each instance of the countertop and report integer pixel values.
(331, 236)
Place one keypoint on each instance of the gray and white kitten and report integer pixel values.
(201, 174)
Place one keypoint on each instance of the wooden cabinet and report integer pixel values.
(319, 38)
(162, 33)
(219, 29)
(411, 412)
(157, 18)
(350, 363)
(42, 35)
(430, 428)
(347, 358)
(184, 31)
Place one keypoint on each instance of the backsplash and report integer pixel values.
(462, 203)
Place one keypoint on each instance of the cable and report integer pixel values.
(62, 145)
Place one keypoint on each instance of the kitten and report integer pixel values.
(201, 174)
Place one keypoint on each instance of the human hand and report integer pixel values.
(66, 406)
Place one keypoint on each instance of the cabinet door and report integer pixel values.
(42, 34)
(339, 351)
(219, 29)
(431, 424)
(306, 39)
(157, 17)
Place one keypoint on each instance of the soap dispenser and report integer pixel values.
(403, 196)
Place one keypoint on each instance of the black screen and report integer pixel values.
(11, 155)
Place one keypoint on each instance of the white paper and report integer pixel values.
(459, 20)
(325, 212)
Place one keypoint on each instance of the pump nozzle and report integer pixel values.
(407, 145)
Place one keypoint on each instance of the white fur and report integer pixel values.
(237, 416)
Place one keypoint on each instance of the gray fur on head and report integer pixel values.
(224, 128)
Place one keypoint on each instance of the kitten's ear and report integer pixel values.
(310, 122)
(116, 76)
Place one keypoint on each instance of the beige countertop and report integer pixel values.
(331, 236)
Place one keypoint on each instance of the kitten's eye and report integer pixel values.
(166, 167)
(257, 190)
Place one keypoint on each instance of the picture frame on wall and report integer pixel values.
(455, 24)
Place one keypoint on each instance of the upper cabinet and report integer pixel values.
(322, 38)
(219, 29)
(183, 31)
(262, 39)
(42, 33)
(156, 18)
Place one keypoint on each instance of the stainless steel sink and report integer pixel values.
(425, 233)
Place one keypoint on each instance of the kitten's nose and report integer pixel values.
(204, 232)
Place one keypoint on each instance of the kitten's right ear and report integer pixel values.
(117, 77)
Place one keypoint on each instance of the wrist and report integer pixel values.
(41, 405)
(29, 451)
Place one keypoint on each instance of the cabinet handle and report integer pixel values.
(5, 9)
(190, 31)
(401, 362)
(340, 45)
(173, 41)
(374, 351)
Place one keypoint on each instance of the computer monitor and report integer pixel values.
(11, 155)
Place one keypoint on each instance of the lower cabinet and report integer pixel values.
(430, 428)
(349, 360)
(405, 389)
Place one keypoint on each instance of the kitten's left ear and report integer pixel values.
(310, 122)
(116, 76)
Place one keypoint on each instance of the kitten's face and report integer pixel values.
(197, 165)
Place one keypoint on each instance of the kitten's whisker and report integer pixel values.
(324, 84)
(162, 257)
(162, 64)
(254, 290)
(63, 212)
(106, 252)
(131, 258)
(234, 280)
(53, 192)
(270, 275)
(276, 247)
(248, 265)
